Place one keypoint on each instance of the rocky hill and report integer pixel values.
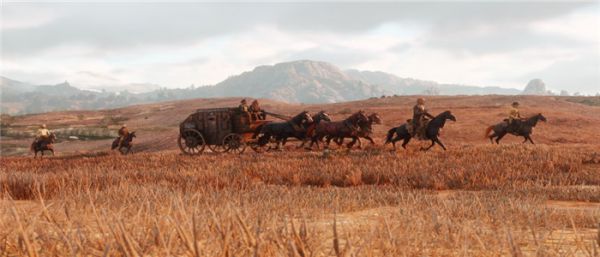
(299, 81)
(302, 81)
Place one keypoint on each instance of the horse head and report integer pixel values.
(374, 118)
(322, 116)
(51, 138)
(541, 117)
(448, 115)
(302, 118)
(307, 117)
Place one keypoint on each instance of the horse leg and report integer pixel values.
(427, 149)
(491, 137)
(500, 137)
(351, 143)
(370, 140)
(327, 141)
(406, 140)
(530, 140)
(301, 145)
(524, 141)
(437, 140)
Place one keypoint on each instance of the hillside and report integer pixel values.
(408, 86)
(300, 82)
(293, 82)
(157, 124)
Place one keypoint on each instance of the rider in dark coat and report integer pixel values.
(419, 117)
(255, 111)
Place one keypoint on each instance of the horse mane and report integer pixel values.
(298, 118)
(532, 120)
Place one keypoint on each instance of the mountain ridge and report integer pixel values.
(302, 81)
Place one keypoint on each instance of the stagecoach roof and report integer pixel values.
(224, 109)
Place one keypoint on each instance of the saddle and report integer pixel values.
(419, 132)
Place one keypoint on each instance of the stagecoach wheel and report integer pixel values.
(191, 142)
(234, 143)
(218, 148)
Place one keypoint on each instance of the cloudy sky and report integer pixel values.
(175, 45)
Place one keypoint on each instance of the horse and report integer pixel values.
(310, 127)
(127, 144)
(365, 131)
(42, 145)
(524, 129)
(281, 131)
(345, 128)
(432, 132)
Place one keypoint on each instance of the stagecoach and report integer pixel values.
(220, 130)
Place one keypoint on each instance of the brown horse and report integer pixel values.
(365, 131)
(346, 128)
(125, 148)
(523, 128)
(42, 145)
(310, 126)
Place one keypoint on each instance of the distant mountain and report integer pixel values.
(536, 87)
(22, 98)
(408, 86)
(298, 81)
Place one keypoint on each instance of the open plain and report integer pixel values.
(476, 199)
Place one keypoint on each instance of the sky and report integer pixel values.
(119, 44)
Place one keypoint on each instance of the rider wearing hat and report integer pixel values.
(123, 133)
(419, 116)
(513, 116)
(255, 111)
(42, 133)
(244, 110)
(243, 107)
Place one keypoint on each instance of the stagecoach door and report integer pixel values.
(211, 128)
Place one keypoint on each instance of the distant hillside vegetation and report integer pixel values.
(302, 81)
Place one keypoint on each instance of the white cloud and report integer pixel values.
(479, 51)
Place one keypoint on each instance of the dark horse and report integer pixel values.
(281, 131)
(310, 126)
(365, 131)
(42, 145)
(524, 128)
(432, 131)
(125, 148)
(346, 128)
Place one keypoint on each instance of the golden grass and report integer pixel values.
(367, 203)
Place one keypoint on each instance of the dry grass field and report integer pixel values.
(475, 199)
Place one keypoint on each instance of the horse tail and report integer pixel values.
(389, 136)
(487, 131)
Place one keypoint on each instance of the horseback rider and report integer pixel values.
(123, 134)
(514, 117)
(42, 135)
(255, 111)
(420, 116)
